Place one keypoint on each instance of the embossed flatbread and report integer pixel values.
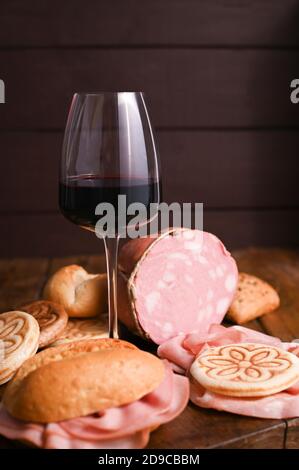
(245, 369)
(78, 329)
(19, 336)
(51, 317)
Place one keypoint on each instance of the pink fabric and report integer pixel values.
(125, 427)
(182, 350)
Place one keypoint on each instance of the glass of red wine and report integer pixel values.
(108, 151)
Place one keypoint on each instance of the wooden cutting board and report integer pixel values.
(22, 280)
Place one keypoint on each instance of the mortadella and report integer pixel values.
(180, 282)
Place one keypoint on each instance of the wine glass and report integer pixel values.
(108, 151)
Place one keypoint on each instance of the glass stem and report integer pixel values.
(111, 250)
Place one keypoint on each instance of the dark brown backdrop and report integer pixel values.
(216, 76)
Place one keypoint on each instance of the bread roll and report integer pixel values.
(254, 298)
(78, 329)
(81, 384)
(80, 293)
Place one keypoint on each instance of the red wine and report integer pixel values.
(79, 196)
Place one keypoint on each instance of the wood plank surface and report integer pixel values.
(184, 88)
(209, 22)
(292, 434)
(21, 281)
(223, 169)
(197, 428)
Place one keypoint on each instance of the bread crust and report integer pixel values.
(80, 293)
(254, 298)
(71, 381)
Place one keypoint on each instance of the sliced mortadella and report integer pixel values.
(178, 283)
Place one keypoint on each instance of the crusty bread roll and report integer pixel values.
(254, 297)
(64, 351)
(55, 386)
(80, 293)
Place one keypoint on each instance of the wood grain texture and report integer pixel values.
(292, 435)
(45, 234)
(223, 169)
(271, 438)
(184, 87)
(50, 234)
(94, 264)
(198, 428)
(115, 22)
(215, 89)
(21, 281)
(230, 69)
(281, 269)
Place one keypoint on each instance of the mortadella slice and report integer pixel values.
(179, 282)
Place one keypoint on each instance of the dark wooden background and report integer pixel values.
(216, 75)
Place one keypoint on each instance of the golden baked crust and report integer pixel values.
(19, 336)
(64, 351)
(51, 317)
(80, 293)
(82, 384)
(254, 297)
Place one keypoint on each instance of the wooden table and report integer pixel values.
(22, 280)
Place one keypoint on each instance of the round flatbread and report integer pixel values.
(245, 370)
(19, 336)
(51, 317)
(77, 330)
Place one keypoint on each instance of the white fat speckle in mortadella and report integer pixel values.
(173, 259)
(230, 283)
(223, 304)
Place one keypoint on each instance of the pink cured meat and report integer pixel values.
(181, 352)
(177, 283)
(125, 427)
